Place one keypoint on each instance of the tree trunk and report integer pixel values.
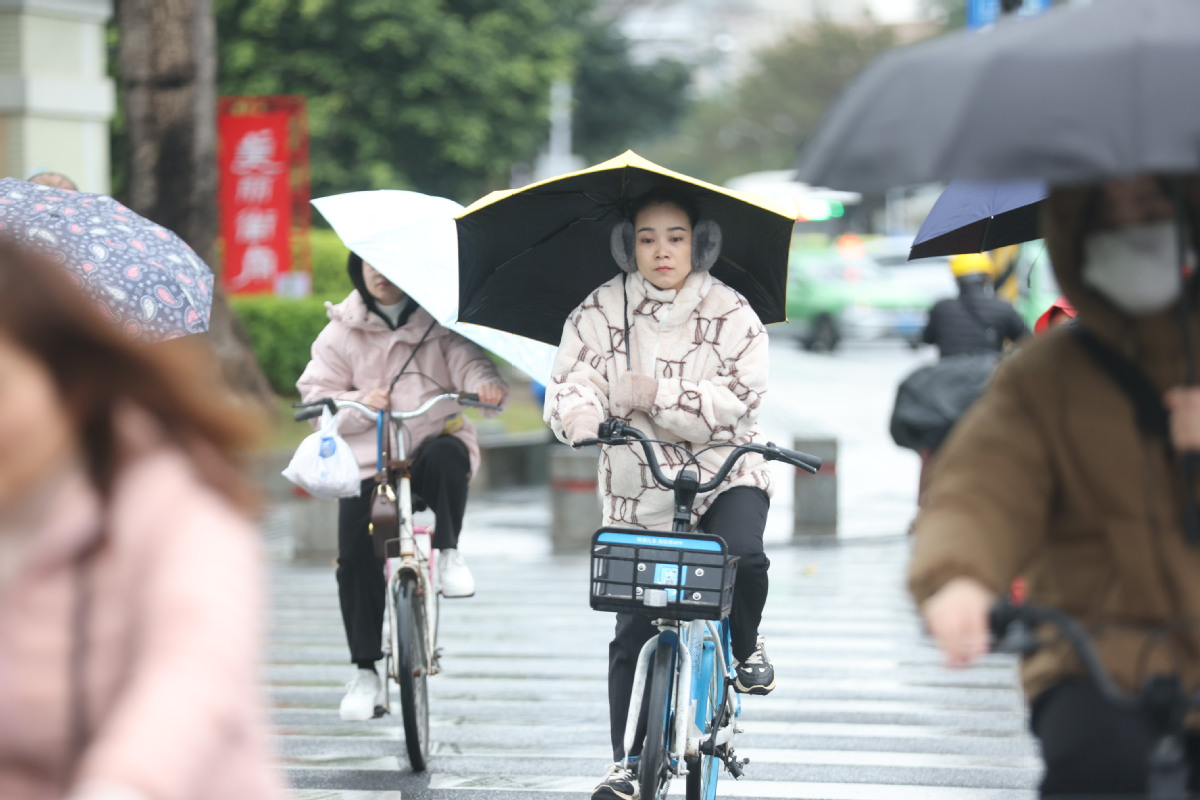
(167, 65)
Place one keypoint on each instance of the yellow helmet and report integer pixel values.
(970, 264)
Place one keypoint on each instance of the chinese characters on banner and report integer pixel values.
(257, 196)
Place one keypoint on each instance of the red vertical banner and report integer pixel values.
(263, 194)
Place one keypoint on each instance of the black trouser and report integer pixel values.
(1091, 748)
(739, 516)
(440, 472)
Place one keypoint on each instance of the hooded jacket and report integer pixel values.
(173, 618)
(708, 351)
(1049, 476)
(358, 351)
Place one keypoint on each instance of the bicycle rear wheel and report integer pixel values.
(654, 765)
(708, 689)
(411, 672)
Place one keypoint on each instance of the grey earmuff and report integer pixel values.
(621, 244)
(706, 245)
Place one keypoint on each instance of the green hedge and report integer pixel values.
(282, 332)
(329, 279)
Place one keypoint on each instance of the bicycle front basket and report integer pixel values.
(667, 575)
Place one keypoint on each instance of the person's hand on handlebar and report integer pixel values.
(493, 395)
(581, 423)
(957, 618)
(376, 397)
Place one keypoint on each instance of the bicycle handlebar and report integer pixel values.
(614, 431)
(313, 408)
(1012, 631)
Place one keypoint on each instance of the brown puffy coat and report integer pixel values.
(1049, 476)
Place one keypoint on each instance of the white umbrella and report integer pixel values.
(411, 239)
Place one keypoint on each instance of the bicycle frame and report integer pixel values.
(411, 559)
(692, 640)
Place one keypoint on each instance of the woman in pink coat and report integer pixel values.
(130, 574)
(376, 334)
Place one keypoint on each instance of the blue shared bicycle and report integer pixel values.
(685, 580)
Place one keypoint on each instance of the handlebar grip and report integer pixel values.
(1000, 617)
(313, 408)
(472, 399)
(805, 461)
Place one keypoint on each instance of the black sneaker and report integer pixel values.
(619, 784)
(755, 675)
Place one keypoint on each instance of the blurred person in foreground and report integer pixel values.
(131, 579)
(1051, 475)
(381, 348)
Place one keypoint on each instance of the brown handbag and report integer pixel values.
(385, 518)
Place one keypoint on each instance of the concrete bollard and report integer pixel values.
(575, 503)
(815, 503)
(314, 530)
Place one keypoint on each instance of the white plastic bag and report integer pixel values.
(323, 464)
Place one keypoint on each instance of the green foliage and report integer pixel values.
(281, 332)
(329, 278)
(619, 105)
(760, 123)
(440, 96)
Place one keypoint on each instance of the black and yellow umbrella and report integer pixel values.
(528, 256)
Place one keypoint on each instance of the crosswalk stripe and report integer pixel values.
(864, 710)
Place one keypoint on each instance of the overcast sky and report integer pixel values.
(896, 10)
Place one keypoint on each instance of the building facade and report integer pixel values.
(56, 99)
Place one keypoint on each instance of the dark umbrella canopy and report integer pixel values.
(143, 276)
(974, 216)
(527, 257)
(1079, 94)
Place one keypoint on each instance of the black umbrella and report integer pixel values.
(974, 216)
(1079, 94)
(527, 257)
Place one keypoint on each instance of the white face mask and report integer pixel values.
(1135, 268)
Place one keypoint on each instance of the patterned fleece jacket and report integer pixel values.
(698, 377)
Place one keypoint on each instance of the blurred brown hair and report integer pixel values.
(99, 371)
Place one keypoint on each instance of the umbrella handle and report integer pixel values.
(625, 294)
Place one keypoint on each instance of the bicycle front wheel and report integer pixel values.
(411, 669)
(654, 766)
(708, 689)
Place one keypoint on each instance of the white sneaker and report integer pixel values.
(453, 574)
(365, 698)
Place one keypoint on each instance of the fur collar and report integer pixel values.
(666, 309)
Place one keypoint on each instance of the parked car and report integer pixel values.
(849, 294)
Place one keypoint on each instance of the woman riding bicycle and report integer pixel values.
(1069, 470)
(683, 357)
(373, 335)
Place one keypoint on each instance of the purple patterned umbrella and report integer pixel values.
(144, 276)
